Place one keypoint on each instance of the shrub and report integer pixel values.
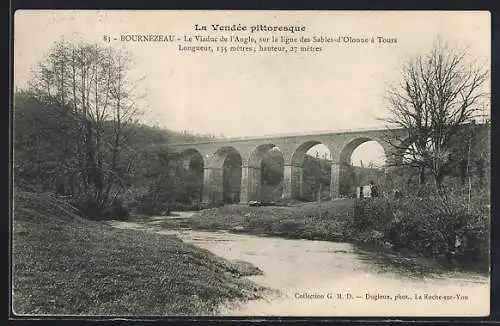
(90, 208)
(186, 206)
(87, 205)
(437, 224)
(372, 213)
(476, 236)
(147, 204)
(117, 210)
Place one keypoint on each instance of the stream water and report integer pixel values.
(320, 278)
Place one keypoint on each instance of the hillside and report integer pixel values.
(160, 135)
(66, 265)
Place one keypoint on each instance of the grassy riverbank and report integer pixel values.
(327, 220)
(371, 225)
(63, 264)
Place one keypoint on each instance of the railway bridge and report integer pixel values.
(250, 152)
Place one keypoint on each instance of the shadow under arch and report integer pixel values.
(298, 161)
(227, 163)
(265, 170)
(193, 164)
(347, 171)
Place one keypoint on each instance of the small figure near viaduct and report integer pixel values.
(249, 153)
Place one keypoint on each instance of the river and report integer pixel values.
(320, 278)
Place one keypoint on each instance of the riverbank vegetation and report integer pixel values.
(82, 156)
(78, 134)
(314, 221)
(411, 226)
(443, 227)
(444, 213)
(64, 264)
(80, 151)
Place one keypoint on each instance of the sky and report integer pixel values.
(257, 94)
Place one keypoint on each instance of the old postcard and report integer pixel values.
(251, 163)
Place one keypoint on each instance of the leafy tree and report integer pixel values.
(91, 83)
(44, 153)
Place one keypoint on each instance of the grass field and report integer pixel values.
(328, 220)
(65, 265)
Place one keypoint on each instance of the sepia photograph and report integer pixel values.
(250, 163)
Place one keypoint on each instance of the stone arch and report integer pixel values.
(226, 175)
(193, 164)
(256, 184)
(297, 190)
(190, 157)
(257, 154)
(346, 170)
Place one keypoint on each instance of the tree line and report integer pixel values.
(77, 133)
(77, 130)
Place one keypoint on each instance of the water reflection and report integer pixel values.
(320, 268)
(297, 268)
(415, 266)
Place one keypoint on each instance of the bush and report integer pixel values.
(186, 206)
(437, 225)
(89, 207)
(371, 213)
(117, 211)
(147, 205)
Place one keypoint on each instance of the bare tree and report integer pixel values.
(439, 92)
(92, 82)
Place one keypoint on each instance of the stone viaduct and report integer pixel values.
(293, 148)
